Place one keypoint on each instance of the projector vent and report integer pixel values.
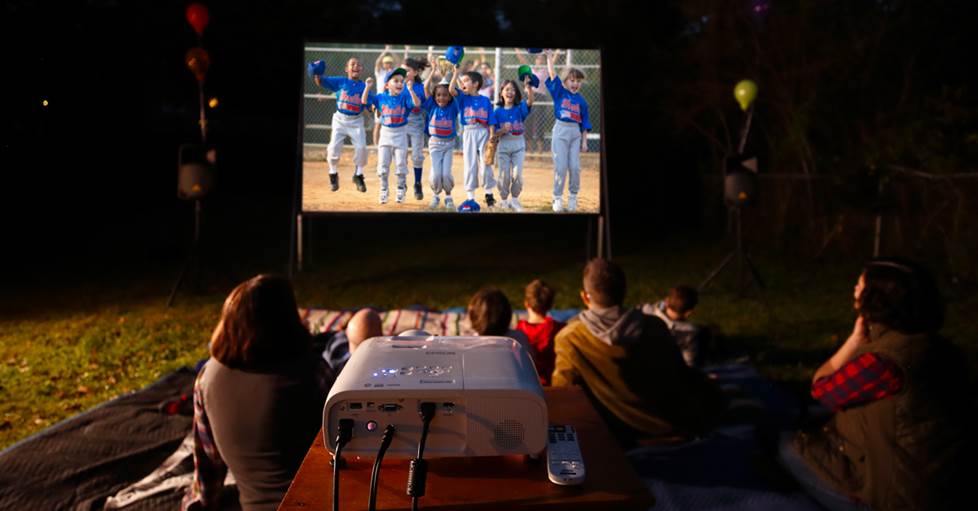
(508, 435)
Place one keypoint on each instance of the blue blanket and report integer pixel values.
(729, 469)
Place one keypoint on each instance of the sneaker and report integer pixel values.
(334, 182)
(572, 203)
(358, 180)
(434, 202)
(401, 192)
(504, 204)
(558, 207)
(515, 204)
(383, 197)
(418, 194)
(449, 204)
(490, 200)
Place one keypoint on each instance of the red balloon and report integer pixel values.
(198, 17)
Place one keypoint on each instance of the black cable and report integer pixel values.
(343, 435)
(385, 442)
(418, 469)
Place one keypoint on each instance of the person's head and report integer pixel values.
(573, 79)
(471, 82)
(387, 63)
(362, 326)
(414, 67)
(443, 95)
(395, 81)
(604, 284)
(260, 325)
(539, 297)
(540, 60)
(490, 312)
(681, 302)
(353, 68)
(510, 94)
(899, 294)
(485, 69)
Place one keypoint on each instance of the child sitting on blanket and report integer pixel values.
(490, 314)
(539, 327)
(337, 346)
(675, 310)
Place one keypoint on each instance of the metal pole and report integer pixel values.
(298, 240)
(203, 113)
(879, 219)
(497, 69)
(601, 246)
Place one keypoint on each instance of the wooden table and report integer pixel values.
(498, 483)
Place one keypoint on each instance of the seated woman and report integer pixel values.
(258, 400)
(899, 436)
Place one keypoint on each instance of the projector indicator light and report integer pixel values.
(371, 426)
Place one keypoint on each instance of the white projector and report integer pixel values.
(487, 395)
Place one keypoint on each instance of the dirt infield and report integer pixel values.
(535, 198)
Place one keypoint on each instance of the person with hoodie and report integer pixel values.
(630, 366)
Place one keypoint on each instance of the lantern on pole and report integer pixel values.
(198, 16)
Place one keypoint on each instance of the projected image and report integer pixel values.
(436, 129)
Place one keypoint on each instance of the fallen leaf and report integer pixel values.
(82, 389)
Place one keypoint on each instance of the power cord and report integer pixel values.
(343, 435)
(418, 469)
(385, 442)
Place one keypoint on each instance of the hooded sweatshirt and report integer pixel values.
(631, 368)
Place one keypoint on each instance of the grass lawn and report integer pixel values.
(68, 347)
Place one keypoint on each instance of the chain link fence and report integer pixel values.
(496, 64)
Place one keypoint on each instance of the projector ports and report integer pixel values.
(356, 406)
(389, 407)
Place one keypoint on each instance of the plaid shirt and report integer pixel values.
(867, 378)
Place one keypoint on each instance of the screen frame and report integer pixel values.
(300, 125)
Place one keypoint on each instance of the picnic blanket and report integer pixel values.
(79, 462)
(452, 321)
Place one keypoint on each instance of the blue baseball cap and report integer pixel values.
(534, 50)
(469, 206)
(525, 71)
(316, 68)
(399, 71)
(455, 54)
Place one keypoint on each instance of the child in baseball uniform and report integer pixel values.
(441, 116)
(393, 105)
(347, 123)
(570, 130)
(475, 113)
(382, 69)
(415, 125)
(509, 121)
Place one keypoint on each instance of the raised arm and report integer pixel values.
(380, 57)
(845, 353)
(427, 84)
(529, 91)
(369, 86)
(519, 56)
(453, 85)
(414, 96)
(551, 55)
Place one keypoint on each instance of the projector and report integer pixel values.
(486, 392)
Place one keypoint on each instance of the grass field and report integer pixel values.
(68, 347)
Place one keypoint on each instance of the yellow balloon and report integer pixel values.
(744, 92)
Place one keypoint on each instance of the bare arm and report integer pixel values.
(550, 63)
(857, 338)
(407, 48)
(453, 85)
(427, 84)
(380, 57)
(584, 141)
(369, 82)
(414, 96)
(529, 91)
(519, 56)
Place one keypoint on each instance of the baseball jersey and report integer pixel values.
(348, 93)
(419, 90)
(393, 109)
(441, 119)
(474, 109)
(514, 116)
(568, 106)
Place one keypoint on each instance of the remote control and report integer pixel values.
(565, 466)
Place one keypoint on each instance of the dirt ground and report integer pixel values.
(535, 197)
